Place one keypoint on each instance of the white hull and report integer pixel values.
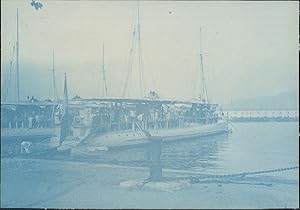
(108, 141)
(13, 133)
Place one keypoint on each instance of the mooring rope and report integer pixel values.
(195, 179)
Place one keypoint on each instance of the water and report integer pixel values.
(89, 183)
(252, 146)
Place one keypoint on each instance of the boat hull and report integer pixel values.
(40, 140)
(129, 139)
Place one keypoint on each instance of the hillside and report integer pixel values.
(282, 101)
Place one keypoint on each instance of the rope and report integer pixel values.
(141, 64)
(233, 126)
(143, 130)
(195, 179)
(130, 61)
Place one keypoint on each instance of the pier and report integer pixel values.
(263, 116)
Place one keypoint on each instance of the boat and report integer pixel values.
(103, 124)
(27, 123)
(28, 126)
(90, 126)
(97, 130)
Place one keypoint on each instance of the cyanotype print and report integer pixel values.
(149, 104)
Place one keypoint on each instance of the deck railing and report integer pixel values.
(146, 124)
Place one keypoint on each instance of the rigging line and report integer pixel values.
(103, 71)
(50, 87)
(106, 92)
(53, 81)
(141, 65)
(143, 76)
(140, 71)
(233, 126)
(10, 73)
(130, 62)
(101, 91)
(140, 52)
(130, 38)
(98, 85)
(203, 90)
(201, 69)
(49, 91)
(152, 84)
(129, 58)
(196, 83)
(128, 73)
(55, 93)
(18, 59)
(99, 80)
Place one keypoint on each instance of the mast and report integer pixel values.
(65, 100)
(203, 90)
(103, 72)
(136, 40)
(65, 122)
(17, 58)
(55, 95)
(140, 52)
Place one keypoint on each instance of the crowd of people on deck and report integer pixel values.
(124, 116)
(26, 117)
(114, 115)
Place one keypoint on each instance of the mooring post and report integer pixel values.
(154, 158)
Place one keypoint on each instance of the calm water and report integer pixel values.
(251, 146)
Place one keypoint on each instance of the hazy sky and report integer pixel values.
(249, 48)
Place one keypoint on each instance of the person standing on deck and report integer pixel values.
(156, 119)
(140, 118)
(30, 121)
(37, 120)
(132, 116)
(126, 120)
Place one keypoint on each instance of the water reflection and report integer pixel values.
(196, 154)
(267, 146)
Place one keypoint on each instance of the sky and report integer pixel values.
(249, 48)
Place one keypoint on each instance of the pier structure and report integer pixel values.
(262, 115)
(155, 165)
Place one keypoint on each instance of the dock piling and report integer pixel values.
(154, 159)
